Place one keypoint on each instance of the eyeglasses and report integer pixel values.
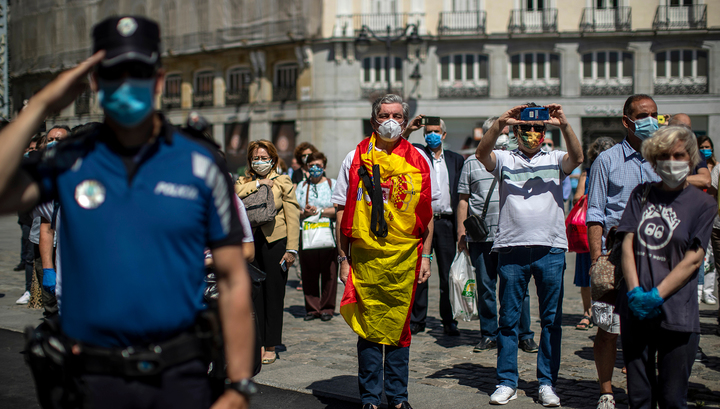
(131, 69)
(529, 128)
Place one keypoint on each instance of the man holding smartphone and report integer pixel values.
(530, 187)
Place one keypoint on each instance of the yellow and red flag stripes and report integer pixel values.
(380, 290)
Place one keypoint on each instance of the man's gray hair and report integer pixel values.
(489, 123)
(390, 99)
(442, 127)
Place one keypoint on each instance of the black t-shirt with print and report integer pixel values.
(667, 226)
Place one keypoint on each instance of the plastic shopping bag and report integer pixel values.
(575, 227)
(463, 292)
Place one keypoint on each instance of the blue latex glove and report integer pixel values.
(634, 301)
(49, 280)
(645, 304)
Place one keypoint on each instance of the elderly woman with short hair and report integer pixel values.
(667, 227)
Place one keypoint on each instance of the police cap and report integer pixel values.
(129, 38)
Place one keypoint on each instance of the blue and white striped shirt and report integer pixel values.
(613, 176)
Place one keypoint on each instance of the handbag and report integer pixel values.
(260, 206)
(576, 229)
(317, 232)
(606, 274)
(475, 226)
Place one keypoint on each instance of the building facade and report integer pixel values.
(307, 70)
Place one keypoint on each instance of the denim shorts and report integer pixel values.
(604, 316)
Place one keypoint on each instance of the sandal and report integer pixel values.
(584, 324)
(267, 361)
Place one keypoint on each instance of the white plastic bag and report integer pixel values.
(317, 233)
(463, 291)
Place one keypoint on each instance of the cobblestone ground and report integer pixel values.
(437, 360)
(448, 362)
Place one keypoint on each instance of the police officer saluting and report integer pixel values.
(141, 201)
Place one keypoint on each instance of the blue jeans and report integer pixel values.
(485, 264)
(515, 266)
(370, 372)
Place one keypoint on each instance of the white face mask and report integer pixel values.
(389, 130)
(672, 172)
(262, 168)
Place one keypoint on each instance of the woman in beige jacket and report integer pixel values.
(276, 242)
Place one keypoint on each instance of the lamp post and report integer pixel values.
(362, 43)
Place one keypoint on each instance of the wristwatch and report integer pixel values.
(343, 258)
(245, 387)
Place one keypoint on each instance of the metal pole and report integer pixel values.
(388, 42)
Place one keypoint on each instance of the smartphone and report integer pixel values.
(535, 114)
(283, 265)
(430, 120)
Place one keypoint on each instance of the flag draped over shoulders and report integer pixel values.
(380, 289)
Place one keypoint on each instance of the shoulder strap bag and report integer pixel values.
(260, 206)
(475, 226)
(317, 232)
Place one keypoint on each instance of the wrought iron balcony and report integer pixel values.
(284, 93)
(237, 97)
(603, 86)
(346, 25)
(534, 88)
(203, 100)
(464, 91)
(461, 23)
(681, 86)
(374, 91)
(171, 101)
(533, 21)
(680, 17)
(617, 19)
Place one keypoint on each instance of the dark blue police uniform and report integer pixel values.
(134, 227)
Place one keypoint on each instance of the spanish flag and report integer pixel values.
(380, 290)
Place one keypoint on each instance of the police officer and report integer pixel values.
(141, 200)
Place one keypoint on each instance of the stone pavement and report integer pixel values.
(320, 357)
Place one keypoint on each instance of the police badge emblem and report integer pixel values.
(127, 26)
(90, 194)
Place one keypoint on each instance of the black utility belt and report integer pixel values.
(145, 360)
(448, 216)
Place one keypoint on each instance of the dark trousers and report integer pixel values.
(319, 277)
(269, 303)
(182, 386)
(374, 372)
(645, 343)
(27, 254)
(50, 303)
(443, 244)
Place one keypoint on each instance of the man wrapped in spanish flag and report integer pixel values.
(385, 223)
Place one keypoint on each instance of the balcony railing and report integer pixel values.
(285, 93)
(603, 86)
(348, 24)
(681, 86)
(680, 17)
(463, 91)
(534, 88)
(202, 100)
(171, 101)
(533, 21)
(461, 22)
(237, 97)
(617, 19)
(373, 91)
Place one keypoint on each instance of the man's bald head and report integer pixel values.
(680, 119)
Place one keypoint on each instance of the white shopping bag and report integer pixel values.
(463, 292)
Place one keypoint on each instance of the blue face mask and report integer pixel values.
(50, 144)
(128, 102)
(706, 153)
(646, 127)
(316, 171)
(433, 139)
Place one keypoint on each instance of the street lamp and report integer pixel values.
(362, 44)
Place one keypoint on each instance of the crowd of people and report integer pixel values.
(394, 206)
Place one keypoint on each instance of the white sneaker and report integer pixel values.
(547, 396)
(709, 298)
(502, 395)
(606, 401)
(24, 299)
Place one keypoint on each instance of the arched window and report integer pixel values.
(681, 72)
(172, 92)
(203, 90)
(463, 76)
(607, 73)
(238, 85)
(534, 74)
(376, 71)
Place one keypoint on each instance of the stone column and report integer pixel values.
(714, 128)
(713, 49)
(569, 67)
(218, 134)
(219, 89)
(498, 80)
(643, 61)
